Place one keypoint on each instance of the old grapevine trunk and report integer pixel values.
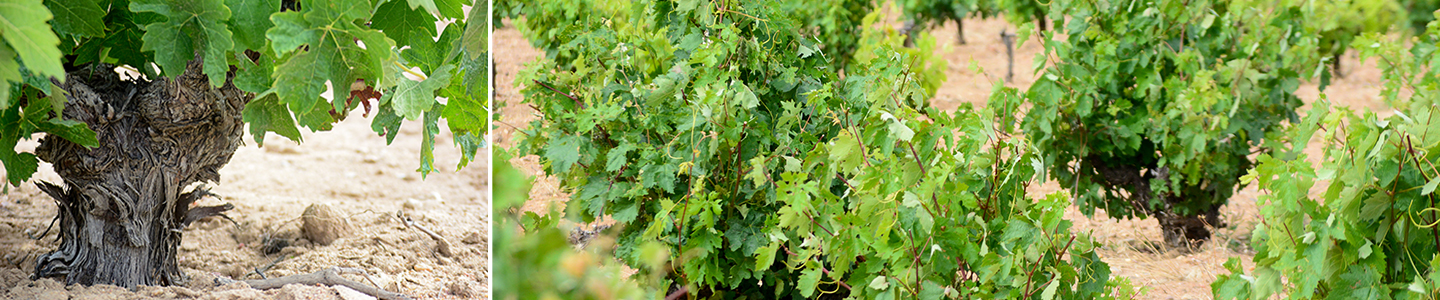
(1180, 231)
(123, 205)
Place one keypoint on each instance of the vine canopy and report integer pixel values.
(415, 59)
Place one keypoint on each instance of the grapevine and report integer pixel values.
(1153, 110)
(764, 158)
(1370, 232)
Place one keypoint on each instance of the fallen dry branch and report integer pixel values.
(442, 246)
(328, 276)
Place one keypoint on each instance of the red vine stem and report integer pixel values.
(577, 100)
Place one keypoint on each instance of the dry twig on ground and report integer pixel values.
(328, 276)
(442, 246)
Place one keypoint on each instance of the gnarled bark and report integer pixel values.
(1180, 231)
(124, 204)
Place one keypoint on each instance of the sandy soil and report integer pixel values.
(351, 169)
(1166, 275)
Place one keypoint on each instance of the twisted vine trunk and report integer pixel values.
(1179, 231)
(123, 205)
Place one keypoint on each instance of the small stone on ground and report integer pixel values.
(323, 224)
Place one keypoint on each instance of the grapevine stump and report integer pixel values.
(123, 205)
(1180, 231)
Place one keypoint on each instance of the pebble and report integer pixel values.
(386, 282)
(473, 238)
(304, 292)
(423, 267)
(323, 224)
(465, 288)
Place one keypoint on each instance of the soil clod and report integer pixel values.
(323, 224)
(465, 288)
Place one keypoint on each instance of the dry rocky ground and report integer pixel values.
(350, 169)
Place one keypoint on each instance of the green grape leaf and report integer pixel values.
(846, 151)
(1374, 206)
(71, 130)
(465, 115)
(455, 9)
(805, 51)
(809, 280)
(196, 26)
(563, 153)
(429, 53)
(469, 143)
(659, 175)
(9, 72)
(476, 79)
(267, 114)
(386, 123)
(1430, 186)
(879, 283)
(297, 83)
(466, 118)
(22, 24)
(477, 32)
(317, 118)
(19, 166)
(413, 97)
(334, 52)
(1049, 292)
(290, 32)
(404, 25)
(251, 19)
(626, 213)
(124, 44)
(429, 5)
(255, 77)
(467, 109)
(616, 157)
(765, 256)
(77, 17)
(757, 171)
(427, 139)
(744, 96)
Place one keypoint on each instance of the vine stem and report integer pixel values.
(409, 71)
(552, 88)
(678, 293)
(915, 261)
(822, 226)
(864, 157)
(1410, 149)
(1062, 252)
(933, 198)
